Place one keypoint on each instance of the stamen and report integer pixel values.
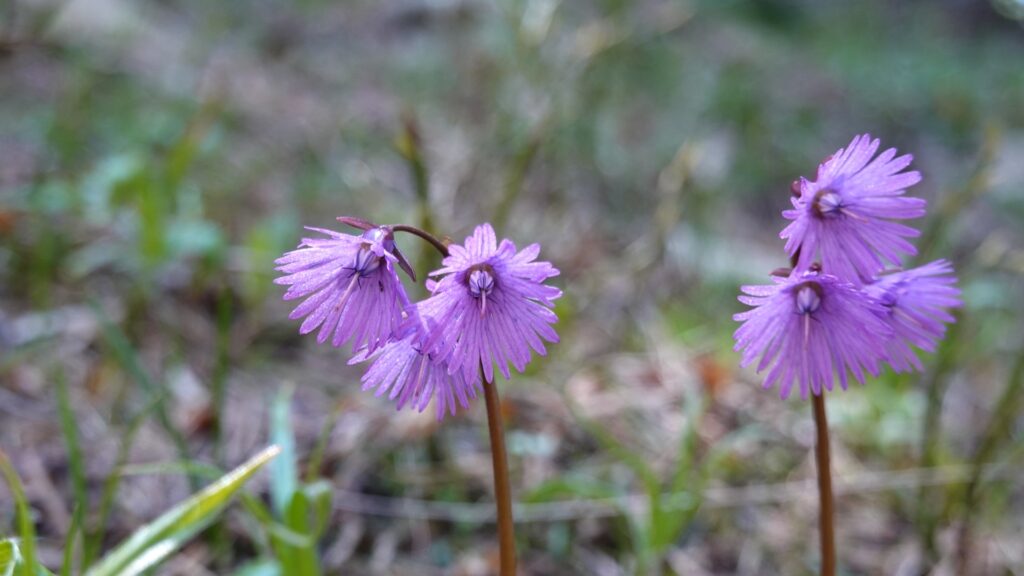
(481, 283)
(808, 298)
(366, 261)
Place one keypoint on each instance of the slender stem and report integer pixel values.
(433, 240)
(502, 491)
(822, 458)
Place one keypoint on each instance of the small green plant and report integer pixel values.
(146, 547)
(672, 502)
(299, 511)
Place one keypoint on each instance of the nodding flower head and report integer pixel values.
(351, 290)
(845, 217)
(810, 328)
(413, 377)
(490, 306)
(917, 304)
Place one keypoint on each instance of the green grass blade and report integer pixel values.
(929, 498)
(129, 360)
(278, 533)
(686, 459)
(284, 479)
(625, 454)
(75, 465)
(316, 457)
(263, 568)
(69, 541)
(1000, 424)
(188, 468)
(154, 542)
(302, 560)
(9, 557)
(409, 144)
(293, 503)
(26, 528)
(667, 521)
(998, 431)
(319, 495)
(94, 539)
(74, 447)
(219, 379)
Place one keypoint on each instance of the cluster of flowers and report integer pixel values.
(489, 305)
(839, 310)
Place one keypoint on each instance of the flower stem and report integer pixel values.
(502, 491)
(430, 238)
(822, 459)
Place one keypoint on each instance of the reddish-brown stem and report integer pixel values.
(502, 490)
(430, 238)
(822, 458)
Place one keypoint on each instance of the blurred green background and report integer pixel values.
(157, 155)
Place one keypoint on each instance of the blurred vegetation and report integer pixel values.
(155, 158)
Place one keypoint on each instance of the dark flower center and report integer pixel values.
(808, 297)
(827, 203)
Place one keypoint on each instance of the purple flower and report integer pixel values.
(808, 328)
(352, 291)
(846, 215)
(490, 306)
(409, 376)
(916, 303)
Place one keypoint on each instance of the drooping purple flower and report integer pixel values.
(351, 290)
(844, 218)
(810, 328)
(490, 306)
(917, 303)
(409, 376)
